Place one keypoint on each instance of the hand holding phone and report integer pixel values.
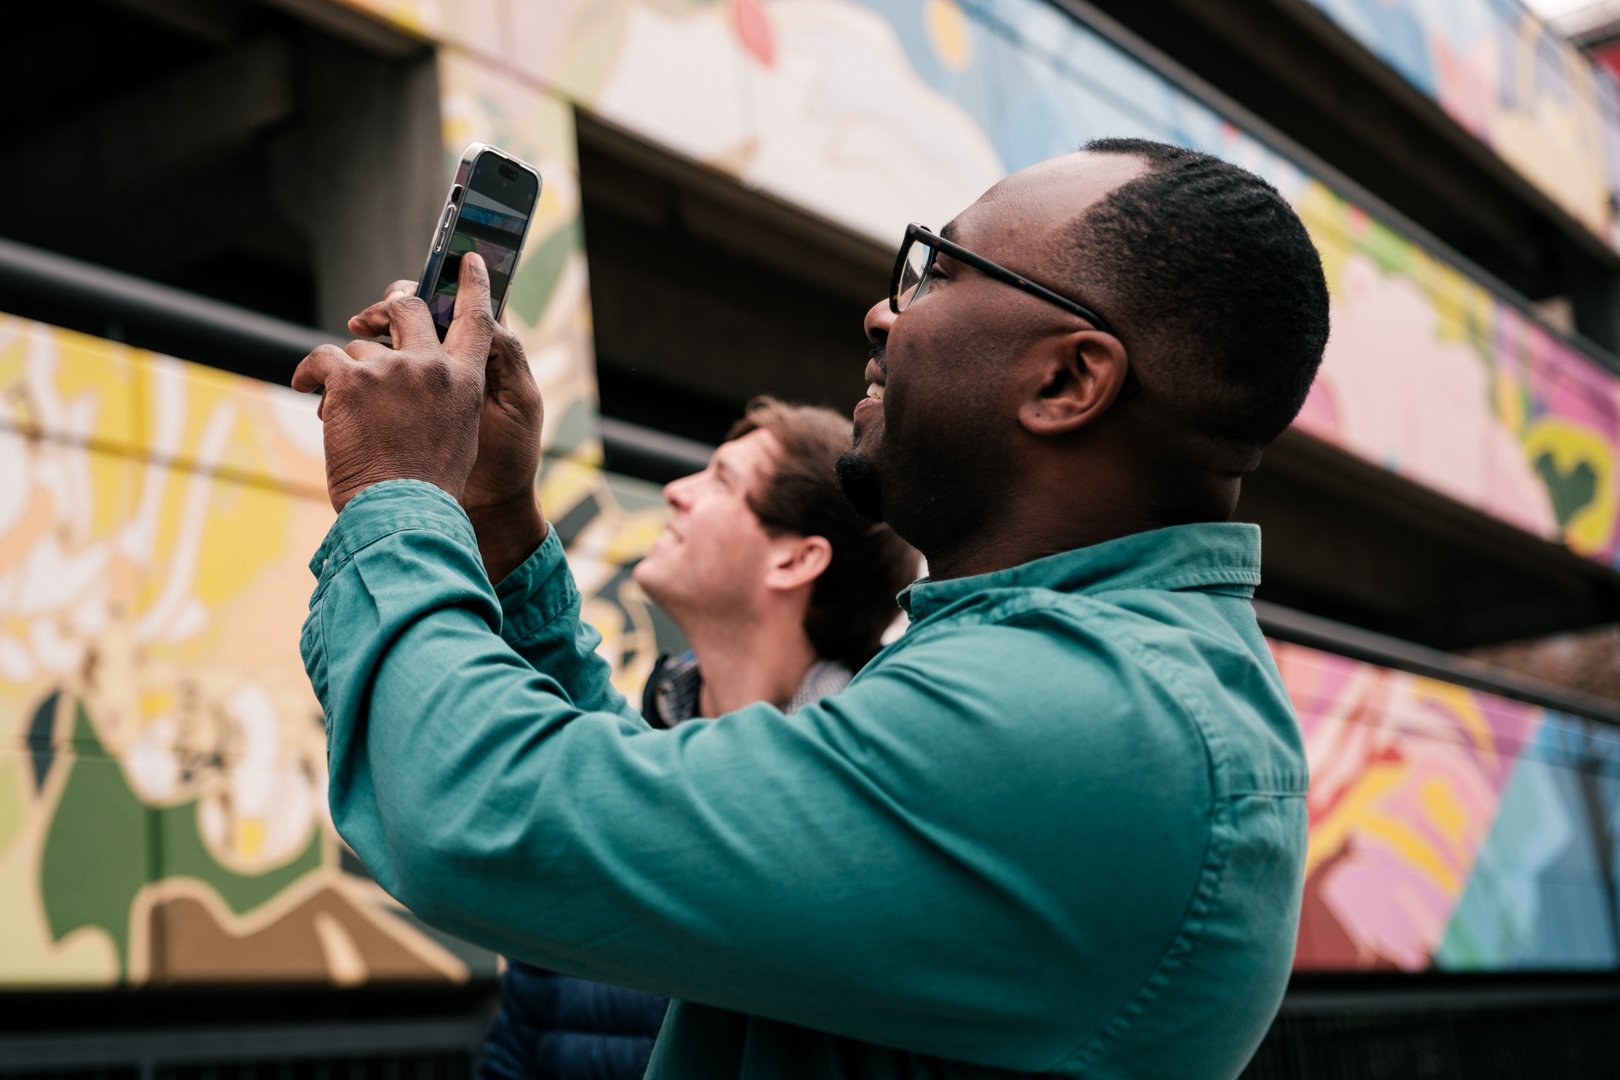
(488, 209)
(378, 398)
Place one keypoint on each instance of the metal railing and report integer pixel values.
(143, 313)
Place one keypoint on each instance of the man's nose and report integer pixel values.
(675, 493)
(879, 317)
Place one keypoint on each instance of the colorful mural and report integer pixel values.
(162, 759)
(879, 112)
(1513, 83)
(1452, 829)
(1531, 430)
(162, 777)
(162, 774)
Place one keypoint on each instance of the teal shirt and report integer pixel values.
(1057, 827)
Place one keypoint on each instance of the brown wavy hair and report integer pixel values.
(853, 601)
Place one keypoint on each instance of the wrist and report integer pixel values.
(508, 533)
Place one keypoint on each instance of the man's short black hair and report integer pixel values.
(1212, 283)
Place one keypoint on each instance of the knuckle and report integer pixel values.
(506, 341)
(365, 374)
(405, 305)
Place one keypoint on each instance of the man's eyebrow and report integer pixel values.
(949, 231)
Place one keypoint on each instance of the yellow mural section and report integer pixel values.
(162, 768)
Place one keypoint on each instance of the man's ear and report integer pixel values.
(797, 561)
(1078, 377)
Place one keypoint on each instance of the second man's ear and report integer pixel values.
(1078, 377)
(797, 561)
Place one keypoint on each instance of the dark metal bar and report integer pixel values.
(110, 303)
(241, 1045)
(1358, 992)
(236, 339)
(650, 454)
(1286, 624)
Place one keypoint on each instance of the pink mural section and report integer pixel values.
(1407, 781)
(1432, 376)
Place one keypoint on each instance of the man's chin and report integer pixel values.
(645, 574)
(862, 486)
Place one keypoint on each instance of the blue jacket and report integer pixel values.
(554, 1025)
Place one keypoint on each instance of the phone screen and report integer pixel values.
(494, 215)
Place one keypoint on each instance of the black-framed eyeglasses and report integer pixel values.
(914, 267)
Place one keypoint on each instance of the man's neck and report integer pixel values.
(1033, 522)
(743, 663)
(1008, 546)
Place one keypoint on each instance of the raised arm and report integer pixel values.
(538, 598)
(857, 867)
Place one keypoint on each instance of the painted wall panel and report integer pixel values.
(1451, 829)
(162, 775)
(1507, 78)
(162, 759)
(878, 112)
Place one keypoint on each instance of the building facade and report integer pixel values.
(724, 184)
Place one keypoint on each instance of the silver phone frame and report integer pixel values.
(450, 216)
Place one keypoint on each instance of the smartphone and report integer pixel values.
(491, 201)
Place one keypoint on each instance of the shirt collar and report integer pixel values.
(1217, 556)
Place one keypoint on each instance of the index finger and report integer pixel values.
(474, 321)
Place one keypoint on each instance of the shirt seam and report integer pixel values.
(1211, 880)
(529, 622)
(1213, 868)
(1245, 577)
(1035, 598)
(346, 555)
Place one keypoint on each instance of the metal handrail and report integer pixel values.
(1287, 624)
(269, 348)
(128, 308)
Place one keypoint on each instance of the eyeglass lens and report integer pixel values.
(914, 267)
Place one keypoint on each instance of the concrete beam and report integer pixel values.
(372, 33)
(202, 20)
(1326, 96)
(150, 135)
(363, 182)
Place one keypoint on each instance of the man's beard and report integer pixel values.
(862, 486)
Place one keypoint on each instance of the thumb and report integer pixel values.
(474, 321)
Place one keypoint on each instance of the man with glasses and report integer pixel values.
(1058, 827)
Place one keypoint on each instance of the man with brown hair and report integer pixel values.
(783, 592)
(778, 585)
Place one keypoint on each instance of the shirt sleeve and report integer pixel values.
(540, 621)
(853, 867)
